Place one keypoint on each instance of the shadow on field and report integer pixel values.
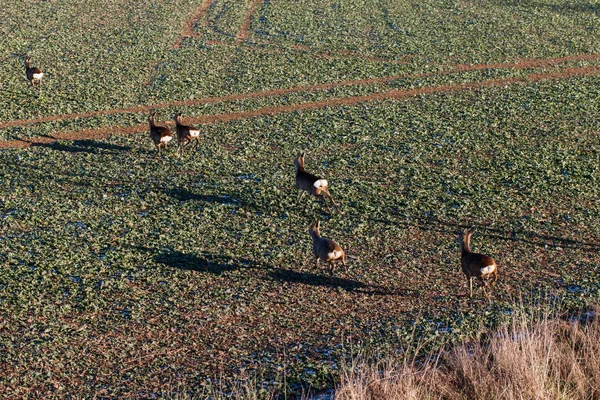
(233, 199)
(203, 262)
(434, 224)
(84, 146)
(307, 278)
(559, 8)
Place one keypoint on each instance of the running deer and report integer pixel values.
(474, 264)
(160, 135)
(324, 249)
(185, 134)
(310, 183)
(33, 74)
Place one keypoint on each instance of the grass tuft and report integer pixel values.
(544, 358)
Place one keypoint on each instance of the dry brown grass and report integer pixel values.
(548, 359)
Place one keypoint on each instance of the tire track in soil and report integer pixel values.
(395, 94)
(244, 30)
(188, 27)
(521, 64)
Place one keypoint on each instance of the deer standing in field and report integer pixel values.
(474, 264)
(310, 183)
(160, 135)
(185, 134)
(33, 74)
(324, 249)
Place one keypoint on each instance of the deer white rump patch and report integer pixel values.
(320, 183)
(487, 270)
(38, 76)
(334, 254)
(194, 133)
(166, 139)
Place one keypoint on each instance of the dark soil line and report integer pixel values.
(524, 64)
(188, 27)
(388, 95)
(244, 30)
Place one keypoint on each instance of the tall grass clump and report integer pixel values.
(528, 358)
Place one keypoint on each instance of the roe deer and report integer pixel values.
(310, 183)
(475, 264)
(33, 74)
(326, 250)
(185, 134)
(160, 135)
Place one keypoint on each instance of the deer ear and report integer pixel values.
(318, 223)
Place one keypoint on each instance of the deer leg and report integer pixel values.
(324, 202)
(317, 262)
(494, 279)
(196, 143)
(344, 264)
(331, 198)
(470, 280)
(331, 268)
(300, 196)
(483, 283)
(183, 145)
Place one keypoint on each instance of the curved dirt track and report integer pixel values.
(244, 30)
(188, 26)
(521, 64)
(352, 100)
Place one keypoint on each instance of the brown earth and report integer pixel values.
(245, 27)
(188, 26)
(352, 100)
(521, 64)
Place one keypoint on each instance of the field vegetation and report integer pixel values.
(123, 276)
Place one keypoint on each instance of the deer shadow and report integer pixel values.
(216, 264)
(435, 224)
(350, 285)
(84, 146)
(203, 262)
(560, 8)
(237, 200)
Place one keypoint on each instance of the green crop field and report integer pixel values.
(124, 276)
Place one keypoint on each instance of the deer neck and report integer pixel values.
(315, 235)
(465, 246)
